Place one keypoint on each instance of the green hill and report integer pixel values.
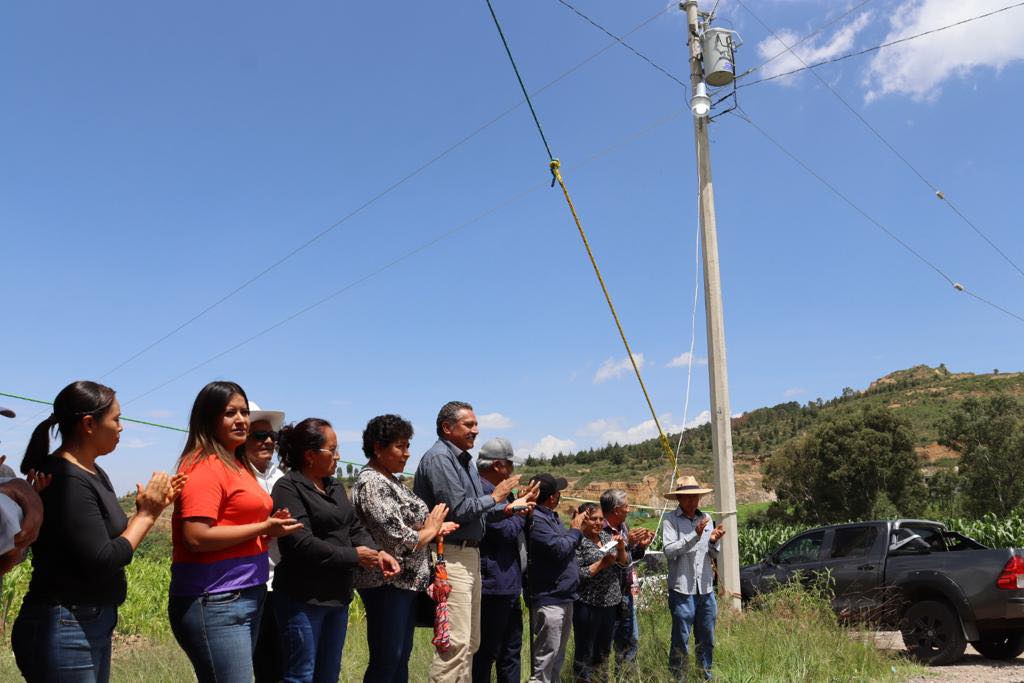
(924, 396)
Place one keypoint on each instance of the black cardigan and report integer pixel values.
(317, 561)
(80, 556)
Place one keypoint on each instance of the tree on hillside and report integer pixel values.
(851, 466)
(989, 435)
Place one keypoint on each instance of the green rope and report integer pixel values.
(157, 424)
(522, 86)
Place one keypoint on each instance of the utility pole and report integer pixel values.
(721, 426)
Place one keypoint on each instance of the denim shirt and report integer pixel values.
(441, 478)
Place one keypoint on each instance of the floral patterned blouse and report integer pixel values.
(604, 588)
(393, 515)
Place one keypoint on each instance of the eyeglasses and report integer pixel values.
(263, 436)
(332, 451)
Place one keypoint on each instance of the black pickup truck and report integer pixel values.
(939, 588)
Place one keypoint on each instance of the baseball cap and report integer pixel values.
(498, 448)
(548, 485)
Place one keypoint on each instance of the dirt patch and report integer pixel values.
(934, 451)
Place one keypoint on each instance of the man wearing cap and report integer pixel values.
(615, 506)
(691, 541)
(553, 579)
(259, 446)
(21, 514)
(446, 475)
(502, 558)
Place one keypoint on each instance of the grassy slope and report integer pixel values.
(921, 395)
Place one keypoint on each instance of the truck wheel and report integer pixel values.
(932, 633)
(1003, 645)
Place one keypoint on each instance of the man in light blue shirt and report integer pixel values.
(691, 540)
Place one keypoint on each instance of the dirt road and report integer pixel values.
(973, 668)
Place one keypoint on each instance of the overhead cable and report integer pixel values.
(930, 185)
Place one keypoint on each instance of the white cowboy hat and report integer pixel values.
(687, 485)
(274, 417)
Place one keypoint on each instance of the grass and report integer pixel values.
(792, 636)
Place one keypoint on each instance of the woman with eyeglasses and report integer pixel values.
(313, 580)
(64, 628)
(259, 449)
(219, 531)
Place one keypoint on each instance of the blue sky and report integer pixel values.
(155, 158)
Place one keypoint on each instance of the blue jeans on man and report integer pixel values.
(218, 632)
(66, 643)
(312, 639)
(390, 623)
(697, 612)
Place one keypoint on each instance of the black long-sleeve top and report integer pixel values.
(318, 560)
(80, 556)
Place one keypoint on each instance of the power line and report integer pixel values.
(409, 176)
(807, 37)
(407, 255)
(938, 193)
(893, 236)
(865, 51)
(374, 199)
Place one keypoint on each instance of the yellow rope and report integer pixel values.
(557, 173)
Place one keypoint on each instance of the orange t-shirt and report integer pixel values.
(230, 498)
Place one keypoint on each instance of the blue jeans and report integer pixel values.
(593, 628)
(218, 632)
(312, 639)
(501, 639)
(627, 636)
(64, 643)
(699, 613)
(389, 631)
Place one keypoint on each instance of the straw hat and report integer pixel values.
(687, 485)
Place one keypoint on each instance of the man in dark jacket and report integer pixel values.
(502, 558)
(553, 579)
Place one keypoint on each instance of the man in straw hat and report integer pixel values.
(691, 541)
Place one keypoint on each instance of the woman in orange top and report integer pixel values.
(219, 532)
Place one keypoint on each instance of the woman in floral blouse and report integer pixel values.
(593, 614)
(401, 525)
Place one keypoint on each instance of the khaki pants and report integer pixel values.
(456, 665)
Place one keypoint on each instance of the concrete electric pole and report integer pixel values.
(721, 427)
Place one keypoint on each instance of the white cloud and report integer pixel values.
(350, 436)
(614, 369)
(685, 359)
(159, 413)
(609, 431)
(815, 50)
(494, 421)
(794, 391)
(918, 67)
(547, 447)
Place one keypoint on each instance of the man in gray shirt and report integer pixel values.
(691, 541)
(446, 474)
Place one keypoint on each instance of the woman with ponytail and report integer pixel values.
(219, 532)
(64, 628)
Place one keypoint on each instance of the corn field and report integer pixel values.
(757, 542)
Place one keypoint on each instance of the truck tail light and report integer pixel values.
(1012, 577)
